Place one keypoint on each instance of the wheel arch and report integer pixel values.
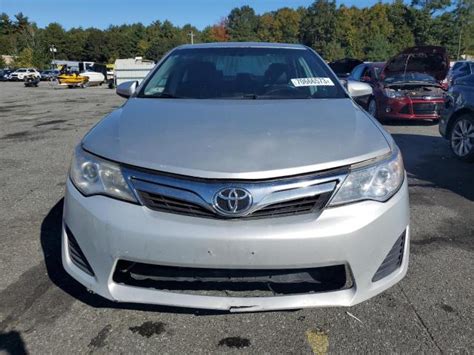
(455, 116)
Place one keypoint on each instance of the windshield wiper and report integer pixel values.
(165, 95)
(250, 96)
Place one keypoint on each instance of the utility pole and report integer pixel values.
(191, 34)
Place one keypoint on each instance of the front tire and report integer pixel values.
(461, 138)
(372, 107)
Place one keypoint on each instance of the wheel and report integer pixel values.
(372, 107)
(462, 138)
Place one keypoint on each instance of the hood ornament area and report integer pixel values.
(232, 201)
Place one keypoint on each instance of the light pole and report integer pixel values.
(191, 34)
(53, 49)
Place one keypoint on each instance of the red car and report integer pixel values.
(408, 86)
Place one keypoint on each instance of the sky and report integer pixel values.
(102, 13)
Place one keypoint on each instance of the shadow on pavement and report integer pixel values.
(409, 123)
(430, 159)
(51, 245)
(12, 343)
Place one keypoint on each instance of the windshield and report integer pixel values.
(410, 77)
(242, 73)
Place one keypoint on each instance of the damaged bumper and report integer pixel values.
(113, 237)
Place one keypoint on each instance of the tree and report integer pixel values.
(402, 35)
(24, 59)
(53, 34)
(96, 47)
(287, 25)
(279, 26)
(318, 25)
(431, 6)
(242, 24)
(347, 32)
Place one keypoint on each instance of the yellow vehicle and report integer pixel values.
(71, 80)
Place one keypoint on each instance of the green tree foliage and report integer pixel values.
(318, 26)
(24, 58)
(242, 24)
(368, 33)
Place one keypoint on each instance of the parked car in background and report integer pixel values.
(408, 86)
(238, 177)
(343, 67)
(460, 69)
(19, 74)
(49, 74)
(457, 120)
(368, 73)
(4, 74)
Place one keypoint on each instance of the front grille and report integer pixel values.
(310, 204)
(77, 256)
(393, 260)
(167, 204)
(426, 108)
(233, 282)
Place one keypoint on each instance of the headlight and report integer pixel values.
(94, 176)
(393, 94)
(375, 182)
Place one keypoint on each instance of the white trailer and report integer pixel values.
(132, 69)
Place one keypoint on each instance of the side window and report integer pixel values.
(456, 66)
(357, 72)
(377, 71)
(367, 73)
(464, 69)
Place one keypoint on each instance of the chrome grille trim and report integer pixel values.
(200, 192)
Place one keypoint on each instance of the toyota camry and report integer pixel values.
(238, 177)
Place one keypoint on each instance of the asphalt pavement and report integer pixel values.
(42, 310)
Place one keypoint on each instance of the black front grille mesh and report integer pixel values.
(393, 260)
(76, 254)
(233, 282)
(304, 205)
(426, 108)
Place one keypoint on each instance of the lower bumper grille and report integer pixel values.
(393, 260)
(77, 256)
(426, 108)
(233, 282)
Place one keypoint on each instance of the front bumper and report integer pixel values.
(358, 235)
(409, 109)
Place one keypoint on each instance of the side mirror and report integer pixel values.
(127, 89)
(358, 89)
(366, 79)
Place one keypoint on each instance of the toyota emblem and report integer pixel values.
(232, 201)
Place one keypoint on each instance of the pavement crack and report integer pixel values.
(420, 319)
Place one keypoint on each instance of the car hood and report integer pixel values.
(431, 60)
(247, 139)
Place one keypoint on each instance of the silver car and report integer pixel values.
(239, 177)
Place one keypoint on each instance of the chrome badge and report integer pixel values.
(232, 201)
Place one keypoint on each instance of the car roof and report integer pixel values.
(376, 64)
(242, 45)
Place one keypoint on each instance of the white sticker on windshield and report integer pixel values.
(312, 82)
